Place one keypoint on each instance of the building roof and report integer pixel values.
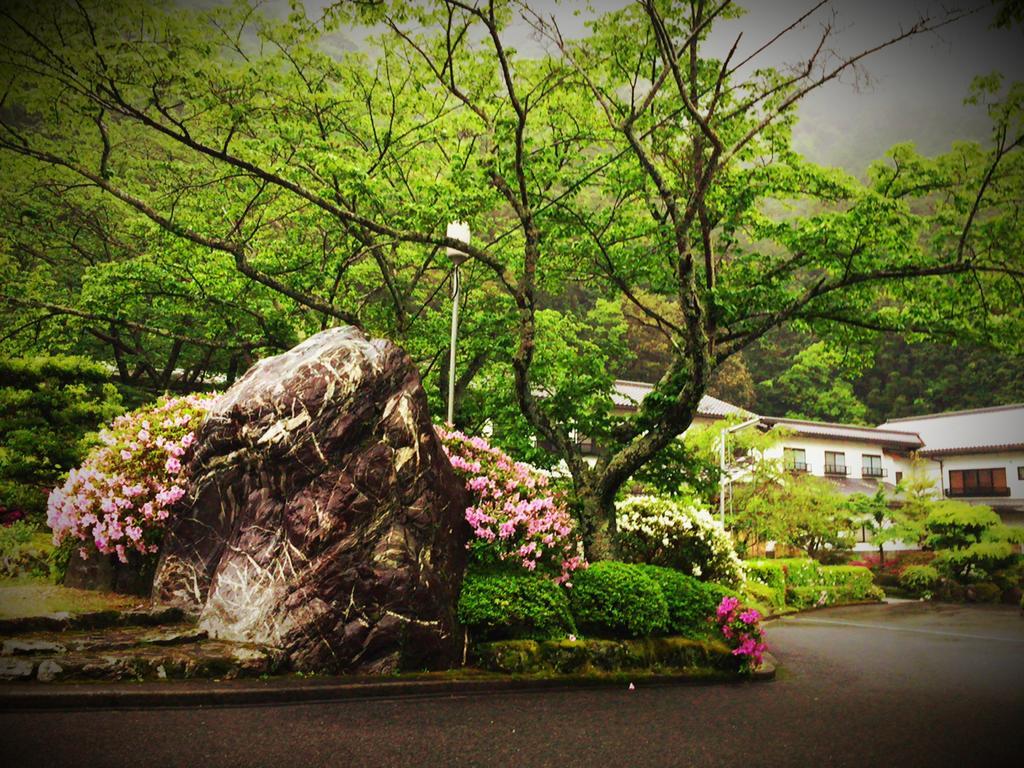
(628, 394)
(982, 430)
(905, 439)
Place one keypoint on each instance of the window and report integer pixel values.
(835, 463)
(899, 477)
(872, 467)
(795, 459)
(978, 482)
(1020, 473)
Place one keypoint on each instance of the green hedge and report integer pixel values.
(502, 605)
(855, 578)
(800, 571)
(618, 600)
(919, 578)
(767, 572)
(767, 596)
(810, 597)
(691, 602)
(602, 656)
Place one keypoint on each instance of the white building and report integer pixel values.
(976, 456)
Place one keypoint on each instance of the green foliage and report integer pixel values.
(818, 386)
(23, 551)
(691, 602)
(800, 571)
(855, 580)
(770, 573)
(821, 596)
(510, 605)
(676, 533)
(766, 599)
(919, 579)
(800, 510)
(969, 540)
(50, 407)
(183, 189)
(618, 600)
(984, 592)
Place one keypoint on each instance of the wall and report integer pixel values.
(854, 453)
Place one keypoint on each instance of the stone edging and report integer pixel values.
(55, 696)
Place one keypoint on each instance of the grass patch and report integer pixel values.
(26, 596)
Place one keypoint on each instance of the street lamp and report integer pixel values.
(457, 230)
(721, 478)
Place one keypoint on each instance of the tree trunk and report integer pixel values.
(598, 518)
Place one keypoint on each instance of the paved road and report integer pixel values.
(897, 685)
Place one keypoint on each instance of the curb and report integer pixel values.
(56, 696)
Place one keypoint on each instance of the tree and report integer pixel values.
(812, 515)
(49, 406)
(628, 160)
(817, 386)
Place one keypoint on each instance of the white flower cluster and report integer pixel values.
(677, 534)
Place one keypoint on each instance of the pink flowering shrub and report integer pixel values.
(120, 498)
(741, 628)
(513, 514)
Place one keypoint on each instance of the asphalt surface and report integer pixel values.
(897, 685)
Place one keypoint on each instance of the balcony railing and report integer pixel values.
(874, 472)
(798, 466)
(977, 493)
(836, 469)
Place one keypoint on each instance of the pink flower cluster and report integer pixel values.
(512, 515)
(742, 630)
(121, 496)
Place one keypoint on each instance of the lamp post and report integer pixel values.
(457, 230)
(721, 447)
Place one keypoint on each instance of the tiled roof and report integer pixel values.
(984, 430)
(896, 438)
(628, 394)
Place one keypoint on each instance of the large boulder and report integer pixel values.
(322, 515)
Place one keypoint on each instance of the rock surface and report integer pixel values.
(323, 517)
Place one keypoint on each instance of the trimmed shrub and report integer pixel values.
(618, 600)
(854, 578)
(800, 571)
(765, 596)
(767, 572)
(919, 578)
(521, 606)
(691, 602)
(818, 596)
(984, 592)
(676, 533)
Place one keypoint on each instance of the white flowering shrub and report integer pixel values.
(677, 533)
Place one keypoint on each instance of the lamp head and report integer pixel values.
(457, 230)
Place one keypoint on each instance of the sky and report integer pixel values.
(913, 91)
